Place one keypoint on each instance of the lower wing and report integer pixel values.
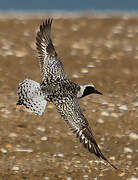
(70, 111)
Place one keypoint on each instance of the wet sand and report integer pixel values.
(99, 50)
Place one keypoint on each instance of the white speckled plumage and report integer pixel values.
(58, 89)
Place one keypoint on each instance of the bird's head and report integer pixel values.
(86, 90)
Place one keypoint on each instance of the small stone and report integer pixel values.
(86, 176)
(112, 158)
(4, 151)
(102, 139)
(12, 135)
(20, 53)
(41, 128)
(133, 136)
(104, 113)
(69, 178)
(74, 27)
(90, 66)
(94, 110)
(84, 71)
(8, 146)
(100, 121)
(133, 178)
(121, 174)
(129, 156)
(75, 76)
(60, 155)
(23, 150)
(114, 115)
(15, 168)
(44, 138)
(73, 52)
(105, 103)
(46, 178)
(135, 104)
(7, 53)
(26, 33)
(127, 150)
(123, 107)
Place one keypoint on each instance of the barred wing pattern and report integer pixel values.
(70, 111)
(31, 96)
(50, 64)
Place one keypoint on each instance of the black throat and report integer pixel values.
(88, 90)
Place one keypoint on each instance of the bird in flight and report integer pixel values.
(57, 88)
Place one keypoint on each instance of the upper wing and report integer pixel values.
(70, 111)
(50, 64)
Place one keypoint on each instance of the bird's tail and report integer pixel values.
(31, 96)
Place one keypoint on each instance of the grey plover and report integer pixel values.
(58, 89)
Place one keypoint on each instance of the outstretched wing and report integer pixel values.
(50, 64)
(31, 96)
(70, 111)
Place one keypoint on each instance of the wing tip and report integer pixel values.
(46, 24)
(89, 142)
(43, 39)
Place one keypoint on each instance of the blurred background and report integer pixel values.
(61, 5)
(97, 41)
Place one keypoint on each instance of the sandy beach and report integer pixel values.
(101, 50)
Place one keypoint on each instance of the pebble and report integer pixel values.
(123, 107)
(41, 128)
(90, 66)
(135, 104)
(74, 27)
(129, 156)
(133, 178)
(105, 103)
(128, 48)
(128, 150)
(7, 53)
(4, 151)
(69, 178)
(121, 174)
(93, 110)
(44, 138)
(75, 76)
(23, 150)
(75, 45)
(104, 113)
(102, 139)
(133, 136)
(112, 158)
(26, 33)
(73, 52)
(114, 115)
(84, 71)
(85, 176)
(15, 168)
(46, 178)
(100, 121)
(20, 53)
(12, 135)
(8, 146)
(60, 155)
